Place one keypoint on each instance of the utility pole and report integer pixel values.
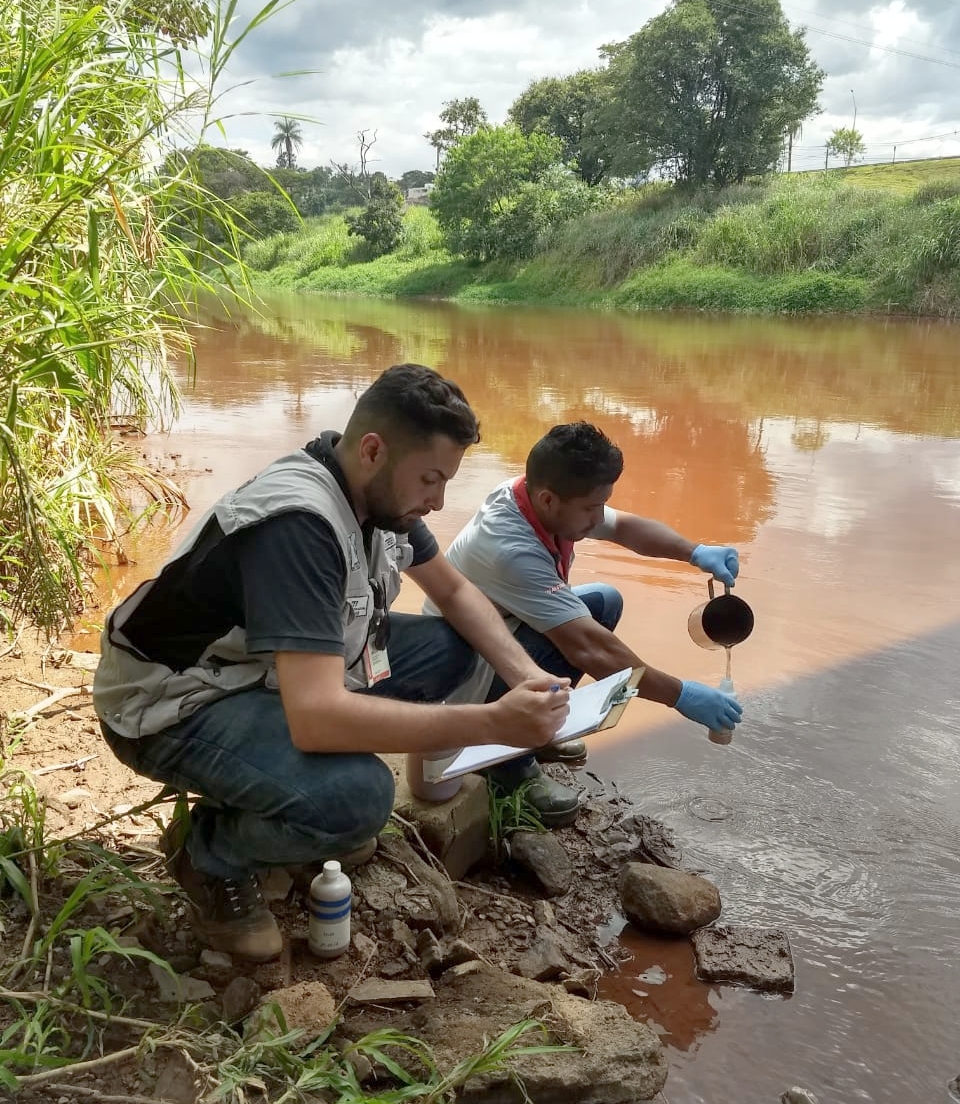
(854, 109)
(894, 155)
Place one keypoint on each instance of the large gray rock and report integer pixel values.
(615, 1060)
(657, 898)
(543, 960)
(543, 855)
(758, 957)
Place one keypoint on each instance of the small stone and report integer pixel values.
(394, 968)
(543, 961)
(463, 968)
(362, 1066)
(544, 856)
(543, 914)
(366, 946)
(74, 798)
(180, 988)
(378, 991)
(401, 933)
(239, 999)
(798, 1095)
(217, 961)
(123, 808)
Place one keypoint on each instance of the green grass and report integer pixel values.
(806, 243)
(904, 177)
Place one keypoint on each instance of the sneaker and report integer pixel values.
(229, 914)
(556, 805)
(570, 751)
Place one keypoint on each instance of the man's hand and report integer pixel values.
(532, 713)
(712, 708)
(719, 560)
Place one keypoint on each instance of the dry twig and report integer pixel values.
(107, 1098)
(36, 1079)
(75, 764)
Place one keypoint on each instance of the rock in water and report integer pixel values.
(656, 898)
(758, 957)
(797, 1095)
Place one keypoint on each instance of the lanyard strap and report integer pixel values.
(560, 550)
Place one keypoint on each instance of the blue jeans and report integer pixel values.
(605, 604)
(264, 803)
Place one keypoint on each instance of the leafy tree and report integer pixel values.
(707, 90)
(260, 214)
(846, 142)
(380, 223)
(415, 178)
(481, 182)
(460, 118)
(224, 173)
(287, 139)
(312, 192)
(571, 109)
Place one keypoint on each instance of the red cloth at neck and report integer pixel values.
(561, 550)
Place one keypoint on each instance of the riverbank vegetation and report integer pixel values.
(100, 257)
(814, 242)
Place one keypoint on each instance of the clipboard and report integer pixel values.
(623, 685)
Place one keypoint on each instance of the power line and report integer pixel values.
(850, 38)
(862, 27)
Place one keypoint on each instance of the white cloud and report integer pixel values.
(387, 67)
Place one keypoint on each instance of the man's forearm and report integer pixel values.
(477, 620)
(357, 722)
(648, 537)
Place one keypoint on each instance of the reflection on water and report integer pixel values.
(829, 452)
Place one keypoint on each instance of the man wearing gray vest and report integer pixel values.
(262, 669)
(518, 549)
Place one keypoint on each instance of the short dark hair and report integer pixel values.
(572, 460)
(409, 403)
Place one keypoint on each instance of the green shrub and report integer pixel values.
(380, 223)
(261, 214)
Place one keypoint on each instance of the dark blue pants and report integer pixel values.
(606, 607)
(263, 802)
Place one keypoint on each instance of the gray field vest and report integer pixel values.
(137, 697)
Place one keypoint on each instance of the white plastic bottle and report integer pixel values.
(330, 897)
(722, 735)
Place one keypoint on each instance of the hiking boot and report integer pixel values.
(229, 914)
(304, 873)
(556, 805)
(570, 751)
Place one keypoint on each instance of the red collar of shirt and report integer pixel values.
(561, 550)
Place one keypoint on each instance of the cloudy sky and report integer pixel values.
(388, 67)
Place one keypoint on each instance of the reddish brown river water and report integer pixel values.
(829, 453)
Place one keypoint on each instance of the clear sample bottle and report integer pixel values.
(722, 735)
(330, 900)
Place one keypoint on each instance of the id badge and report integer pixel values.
(376, 664)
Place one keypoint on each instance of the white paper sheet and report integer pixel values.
(589, 706)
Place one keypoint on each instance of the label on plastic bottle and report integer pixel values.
(329, 925)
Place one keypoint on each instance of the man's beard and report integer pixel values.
(381, 505)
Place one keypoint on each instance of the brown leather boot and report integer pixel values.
(229, 914)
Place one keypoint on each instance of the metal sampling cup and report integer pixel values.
(721, 622)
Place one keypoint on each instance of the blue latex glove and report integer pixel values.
(719, 560)
(712, 708)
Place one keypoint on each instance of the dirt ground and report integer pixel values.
(50, 730)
